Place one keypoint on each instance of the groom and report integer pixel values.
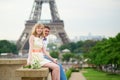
(46, 33)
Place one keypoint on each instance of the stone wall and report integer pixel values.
(33, 74)
(11, 69)
(9, 66)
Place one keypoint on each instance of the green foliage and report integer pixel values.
(79, 47)
(71, 46)
(27, 66)
(67, 56)
(36, 64)
(106, 52)
(88, 44)
(91, 74)
(54, 54)
(68, 73)
(7, 47)
(74, 70)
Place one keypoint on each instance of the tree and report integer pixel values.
(67, 56)
(79, 47)
(106, 52)
(54, 54)
(7, 47)
(88, 44)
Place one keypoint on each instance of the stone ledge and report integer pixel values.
(24, 72)
(13, 61)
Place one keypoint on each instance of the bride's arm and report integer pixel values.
(30, 49)
(47, 54)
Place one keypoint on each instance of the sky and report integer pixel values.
(81, 17)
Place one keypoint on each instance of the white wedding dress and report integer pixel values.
(35, 55)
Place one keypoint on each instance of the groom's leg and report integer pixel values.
(62, 73)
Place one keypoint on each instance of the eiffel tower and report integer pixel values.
(56, 25)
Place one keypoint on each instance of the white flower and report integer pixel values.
(35, 64)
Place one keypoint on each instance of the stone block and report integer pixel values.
(9, 66)
(32, 74)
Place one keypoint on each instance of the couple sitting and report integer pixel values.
(38, 53)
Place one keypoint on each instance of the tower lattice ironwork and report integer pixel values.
(56, 24)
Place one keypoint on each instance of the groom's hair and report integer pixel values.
(47, 27)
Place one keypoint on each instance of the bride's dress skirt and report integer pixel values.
(39, 57)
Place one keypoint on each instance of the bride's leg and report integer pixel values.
(55, 70)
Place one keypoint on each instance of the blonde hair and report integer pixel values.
(35, 27)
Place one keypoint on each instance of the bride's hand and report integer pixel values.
(54, 60)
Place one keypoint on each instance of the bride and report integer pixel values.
(37, 52)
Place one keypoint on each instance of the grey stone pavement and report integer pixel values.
(77, 76)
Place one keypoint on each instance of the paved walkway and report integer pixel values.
(77, 76)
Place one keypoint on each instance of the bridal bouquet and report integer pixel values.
(35, 64)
